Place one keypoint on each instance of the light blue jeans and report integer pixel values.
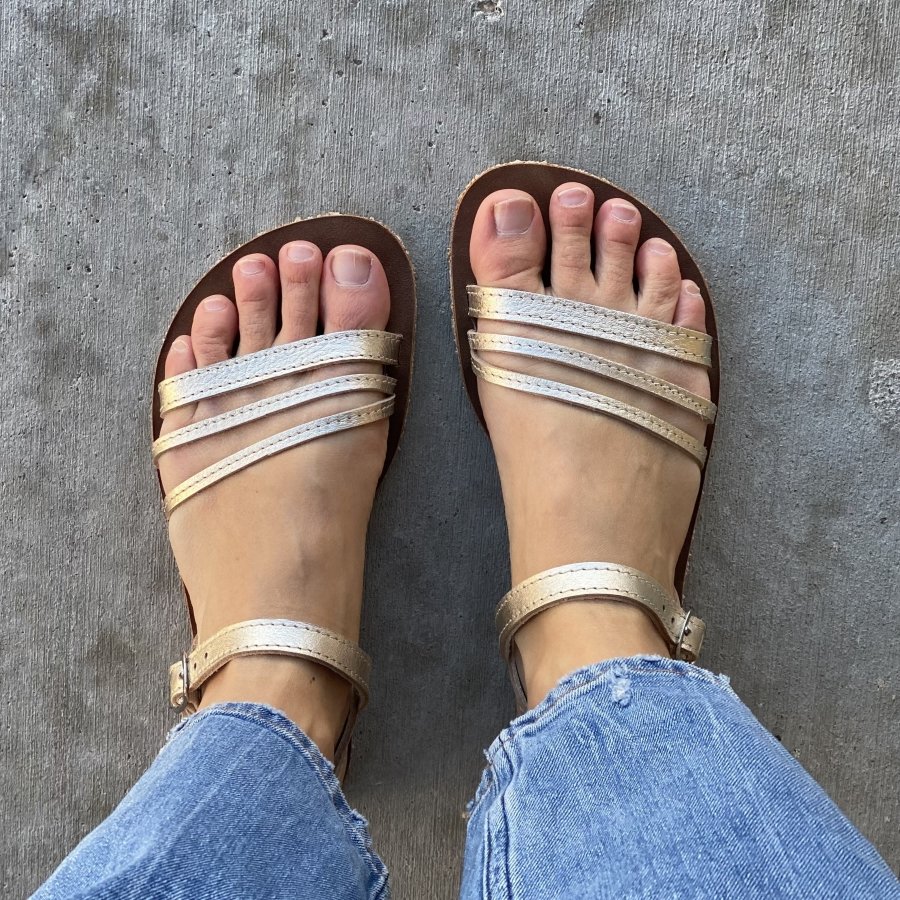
(635, 778)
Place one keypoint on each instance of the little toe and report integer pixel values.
(300, 268)
(617, 228)
(659, 278)
(256, 292)
(355, 292)
(213, 330)
(508, 242)
(690, 312)
(571, 221)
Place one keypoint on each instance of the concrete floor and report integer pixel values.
(140, 145)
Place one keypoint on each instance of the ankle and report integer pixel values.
(578, 633)
(313, 697)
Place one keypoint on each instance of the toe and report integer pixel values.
(180, 358)
(690, 312)
(571, 220)
(355, 291)
(616, 231)
(256, 293)
(214, 330)
(508, 242)
(300, 268)
(659, 278)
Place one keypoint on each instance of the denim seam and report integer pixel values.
(275, 723)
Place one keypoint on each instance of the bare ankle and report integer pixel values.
(579, 633)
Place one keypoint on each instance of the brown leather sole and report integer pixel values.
(541, 180)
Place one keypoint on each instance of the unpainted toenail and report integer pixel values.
(513, 216)
(300, 253)
(573, 197)
(215, 304)
(692, 289)
(660, 248)
(251, 267)
(181, 345)
(351, 267)
(624, 212)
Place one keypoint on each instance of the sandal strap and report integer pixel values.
(262, 637)
(590, 400)
(284, 359)
(590, 320)
(682, 630)
(331, 387)
(283, 637)
(588, 362)
(278, 443)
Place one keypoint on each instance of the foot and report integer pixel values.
(579, 486)
(284, 538)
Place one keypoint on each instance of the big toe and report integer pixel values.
(355, 292)
(509, 242)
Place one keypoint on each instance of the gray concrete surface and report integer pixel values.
(140, 141)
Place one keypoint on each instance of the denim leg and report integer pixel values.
(239, 803)
(645, 777)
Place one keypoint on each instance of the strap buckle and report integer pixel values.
(676, 652)
(182, 705)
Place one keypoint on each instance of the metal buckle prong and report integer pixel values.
(676, 653)
(185, 685)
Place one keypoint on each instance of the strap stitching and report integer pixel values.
(662, 429)
(321, 426)
(573, 306)
(199, 393)
(281, 350)
(363, 380)
(677, 393)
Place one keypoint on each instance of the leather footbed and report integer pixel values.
(327, 232)
(541, 180)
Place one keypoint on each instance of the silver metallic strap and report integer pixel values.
(590, 320)
(283, 359)
(682, 630)
(576, 396)
(588, 362)
(292, 437)
(330, 387)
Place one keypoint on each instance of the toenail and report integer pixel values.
(660, 248)
(180, 345)
(513, 216)
(351, 267)
(214, 304)
(300, 253)
(692, 289)
(573, 197)
(251, 267)
(624, 212)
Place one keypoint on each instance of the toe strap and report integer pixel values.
(596, 581)
(268, 636)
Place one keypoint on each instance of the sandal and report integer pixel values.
(682, 631)
(391, 347)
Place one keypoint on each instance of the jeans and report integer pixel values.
(635, 778)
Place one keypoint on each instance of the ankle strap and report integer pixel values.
(273, 636)
(596, 581)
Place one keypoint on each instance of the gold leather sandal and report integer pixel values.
(391, 347)
(682, 631)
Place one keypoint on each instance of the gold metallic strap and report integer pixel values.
(576, 396)
(596, 581)
(593, 321)
(588, 362)
(330, 387)
(283, 359)
(292, 437)
(273, 636)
